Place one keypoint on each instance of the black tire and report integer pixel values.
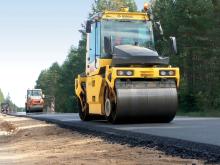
(155, 119)
(167, 119)
(112, 117)
(26, 110)
(40, 110)
(83, 110)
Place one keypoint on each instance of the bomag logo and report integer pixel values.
(124, 16)
(120, 16)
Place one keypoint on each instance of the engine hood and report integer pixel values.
(125, 55)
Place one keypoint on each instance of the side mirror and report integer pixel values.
(159, 28)
(173, 45)
(43, 96)
(88, 26)
(108, 45)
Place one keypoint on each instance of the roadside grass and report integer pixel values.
(199, 114)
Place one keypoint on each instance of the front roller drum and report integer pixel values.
(154, 101)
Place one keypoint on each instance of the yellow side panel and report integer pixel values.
(102, 63)
(94, 89)
(95, 109)
(78, 81)
(105, 62)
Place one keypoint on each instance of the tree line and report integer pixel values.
(8, 100)
(1, 97)
(196, 25)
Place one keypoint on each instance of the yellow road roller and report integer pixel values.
(125, 79)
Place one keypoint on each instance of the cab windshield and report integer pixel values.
(34, 93)
(127, 32)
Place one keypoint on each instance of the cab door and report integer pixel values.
(94, 83)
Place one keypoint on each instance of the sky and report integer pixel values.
(33, 35)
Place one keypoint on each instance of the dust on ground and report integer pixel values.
(26, 141)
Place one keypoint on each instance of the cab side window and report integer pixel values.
(98, 40)
(94, 42)
(92, 45)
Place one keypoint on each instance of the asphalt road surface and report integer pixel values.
(199, 130)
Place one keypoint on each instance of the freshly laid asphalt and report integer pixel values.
(192, 137)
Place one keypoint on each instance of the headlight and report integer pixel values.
(129, 73)
(171, 73)
(125, 73)
(167, 73)
(120, 73)
(163, 73)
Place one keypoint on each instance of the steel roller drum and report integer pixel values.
(150, 101)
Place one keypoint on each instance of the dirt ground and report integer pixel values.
(26, 141)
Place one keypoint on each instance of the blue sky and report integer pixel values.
(33, 35)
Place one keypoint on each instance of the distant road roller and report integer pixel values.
(125, 78)
(34, 101)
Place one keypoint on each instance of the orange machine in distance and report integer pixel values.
(34, 101)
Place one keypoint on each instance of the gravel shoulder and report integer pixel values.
(28, 141)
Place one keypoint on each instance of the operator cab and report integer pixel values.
(112, 36)
(36, 93)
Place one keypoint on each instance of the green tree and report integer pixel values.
(196, 26)
(73, 65)
(1, 96)
(48, 79)
(48, 82)
(12, 106)
(102, 5)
